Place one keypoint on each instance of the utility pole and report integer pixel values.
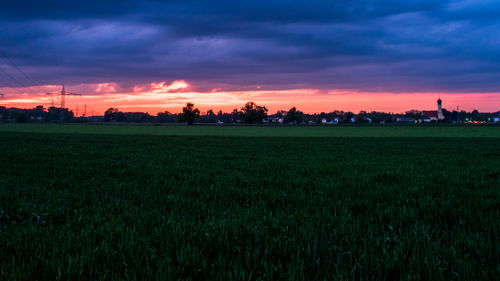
(51, 98)
(63, 96)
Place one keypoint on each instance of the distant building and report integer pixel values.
(95, 118)
(275, 119)
(433, 115)
(425, 119)
(440, 109)
(404, 120)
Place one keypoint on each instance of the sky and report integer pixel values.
(317, 55)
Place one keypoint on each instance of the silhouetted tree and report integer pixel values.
(210, 117)
(294, 116)
(280, 113)
(189, 114)
(415, 114)
(235, 115)
(59, 114)
(362, 117)
(39, 111)
(378, 117)
(166, 116)
(110, 114)
(251, 113)
(348, 116)
(3, 113)
(136, 116)
(474, 115)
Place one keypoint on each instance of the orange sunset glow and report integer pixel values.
(171, 96)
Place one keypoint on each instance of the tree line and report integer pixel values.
(36, 114)
(250, 113)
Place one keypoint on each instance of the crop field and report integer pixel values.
(85, 202)
(261, 131)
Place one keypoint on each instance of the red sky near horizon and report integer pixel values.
(172, 96)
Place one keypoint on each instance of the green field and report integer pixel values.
(208, 203)
(261, 131)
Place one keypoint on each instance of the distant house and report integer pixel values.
(275, 119)
(405, 120)
(425, 119)
(95, 118)
(431, 115)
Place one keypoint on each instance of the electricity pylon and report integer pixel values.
(63, 96)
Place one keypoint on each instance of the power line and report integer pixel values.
(12, 63)
(22, 72)
(17, 81)
(9, 85)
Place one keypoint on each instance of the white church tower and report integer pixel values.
(440, 110)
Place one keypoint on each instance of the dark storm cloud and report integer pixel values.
(361, 45)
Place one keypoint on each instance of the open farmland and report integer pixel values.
(211, 203)
(261, 131)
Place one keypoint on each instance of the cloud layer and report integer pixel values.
(372, 46)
